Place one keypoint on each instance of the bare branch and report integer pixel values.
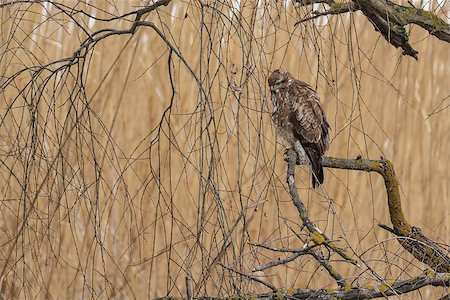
(325, 263)
(335, 9)
(316, 234)
(251, 277)
(278, 262)
(318, 237)
(369, 292)
(299, 252)
(422, 248)
(389, 19)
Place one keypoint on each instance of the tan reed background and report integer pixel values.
(109, 195)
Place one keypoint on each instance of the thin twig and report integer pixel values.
(301, 250)
(278, 262)
(251, 277)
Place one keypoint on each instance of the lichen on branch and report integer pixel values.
(389, 19)
(410, 237)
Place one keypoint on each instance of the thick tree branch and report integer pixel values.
(389, 19)
(412, 239)
(369, 292)
(316, 234)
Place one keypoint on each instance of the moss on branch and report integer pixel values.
(315, 233)
(411, 238)
(370, 292)
(389, 19)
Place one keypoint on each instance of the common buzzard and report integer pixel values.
(300, 119)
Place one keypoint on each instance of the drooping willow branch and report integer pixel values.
(64, 65)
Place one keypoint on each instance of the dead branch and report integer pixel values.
(369, 292)
(411, 238)
(296, 253)
(318, 237)
(251, 277)
(315, 233)
(389, 19)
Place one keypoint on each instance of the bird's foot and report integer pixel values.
(287, 154)
(300, 159)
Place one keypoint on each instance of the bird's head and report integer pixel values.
(278, 79)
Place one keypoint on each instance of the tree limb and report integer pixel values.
(421, 247)
(369, 292)
(315, 233)
(389, 19)
(317, 236)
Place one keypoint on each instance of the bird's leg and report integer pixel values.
(302, 159)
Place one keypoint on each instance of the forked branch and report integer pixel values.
(410, 237)
(316, 234)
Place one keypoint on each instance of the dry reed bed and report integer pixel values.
(139, 198)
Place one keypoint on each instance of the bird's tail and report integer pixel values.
(316, 166)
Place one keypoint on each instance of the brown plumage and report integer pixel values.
(298, 116)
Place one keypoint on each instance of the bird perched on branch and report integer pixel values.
(300, 119)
